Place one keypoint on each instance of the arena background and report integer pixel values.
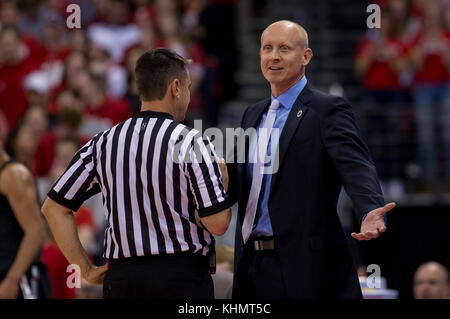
(72, 83)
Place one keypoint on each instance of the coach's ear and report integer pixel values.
(307, 56)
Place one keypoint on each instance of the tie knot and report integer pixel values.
(274, 105)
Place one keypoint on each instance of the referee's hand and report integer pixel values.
(95, 275)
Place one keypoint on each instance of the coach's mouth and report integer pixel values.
(275, 69)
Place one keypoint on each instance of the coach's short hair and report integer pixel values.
(156, 69)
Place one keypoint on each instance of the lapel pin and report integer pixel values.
(299, 113)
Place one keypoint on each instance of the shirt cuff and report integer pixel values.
(70, 204)
(217, 208)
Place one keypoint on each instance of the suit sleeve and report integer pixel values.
(351, 157)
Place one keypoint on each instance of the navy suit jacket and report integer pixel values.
(319, 152)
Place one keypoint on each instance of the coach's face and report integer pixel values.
(284, 55)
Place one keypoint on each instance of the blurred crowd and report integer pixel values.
(61, 86)
(404, 68)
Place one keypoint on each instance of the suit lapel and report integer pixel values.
(254, 117)
(295, 117)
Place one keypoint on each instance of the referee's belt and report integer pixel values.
(260, 244)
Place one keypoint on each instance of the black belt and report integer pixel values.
(260, 244)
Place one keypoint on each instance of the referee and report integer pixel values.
(163, 189)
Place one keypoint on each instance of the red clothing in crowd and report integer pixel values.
(380, 75)
(116, 110)
(57, 270)
(45, 153)
(56, 262)
(13, 99)
(433, 70)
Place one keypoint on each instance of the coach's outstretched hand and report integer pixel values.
(373, 225)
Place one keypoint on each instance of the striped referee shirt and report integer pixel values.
(157, 178)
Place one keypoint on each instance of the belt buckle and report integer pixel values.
(259, 244)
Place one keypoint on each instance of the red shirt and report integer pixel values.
(56, 262)
(57, 271)
(13, 99)
(380, 75)
(433, 70)
(116, 110)
(45, 153)
(84, 217)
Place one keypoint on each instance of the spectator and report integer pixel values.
(68, 125)
(115, 33)
(21, 146)
(98, 104)
(431, 281)
(79, 41)
(144, 15)
(430, 57)
(9, 13)
(402, 12)
(113, 73)
(16, 64)
(75, 64)
(380, 59)
(35, 120)
(132, 94)
(37, 88)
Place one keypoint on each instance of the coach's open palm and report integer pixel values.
(373, 225)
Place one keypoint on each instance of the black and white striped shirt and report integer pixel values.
(157, 178)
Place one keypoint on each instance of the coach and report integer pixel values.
(289, 240)
(163, 190)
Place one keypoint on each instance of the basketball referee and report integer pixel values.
(163, 189)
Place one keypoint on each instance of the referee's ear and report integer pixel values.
(175, 88)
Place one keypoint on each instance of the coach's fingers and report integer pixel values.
(359, 236)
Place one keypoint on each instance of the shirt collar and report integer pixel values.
(288, 98)
(154, 114)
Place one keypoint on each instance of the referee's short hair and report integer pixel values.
(156, 69)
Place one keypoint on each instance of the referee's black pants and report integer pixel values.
(180, 276)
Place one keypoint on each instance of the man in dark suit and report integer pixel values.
(289, 240)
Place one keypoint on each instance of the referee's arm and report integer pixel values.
(218, 223)
(67, 194)
(64, 230)
(209, 179)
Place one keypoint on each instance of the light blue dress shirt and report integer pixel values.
(287, 99)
